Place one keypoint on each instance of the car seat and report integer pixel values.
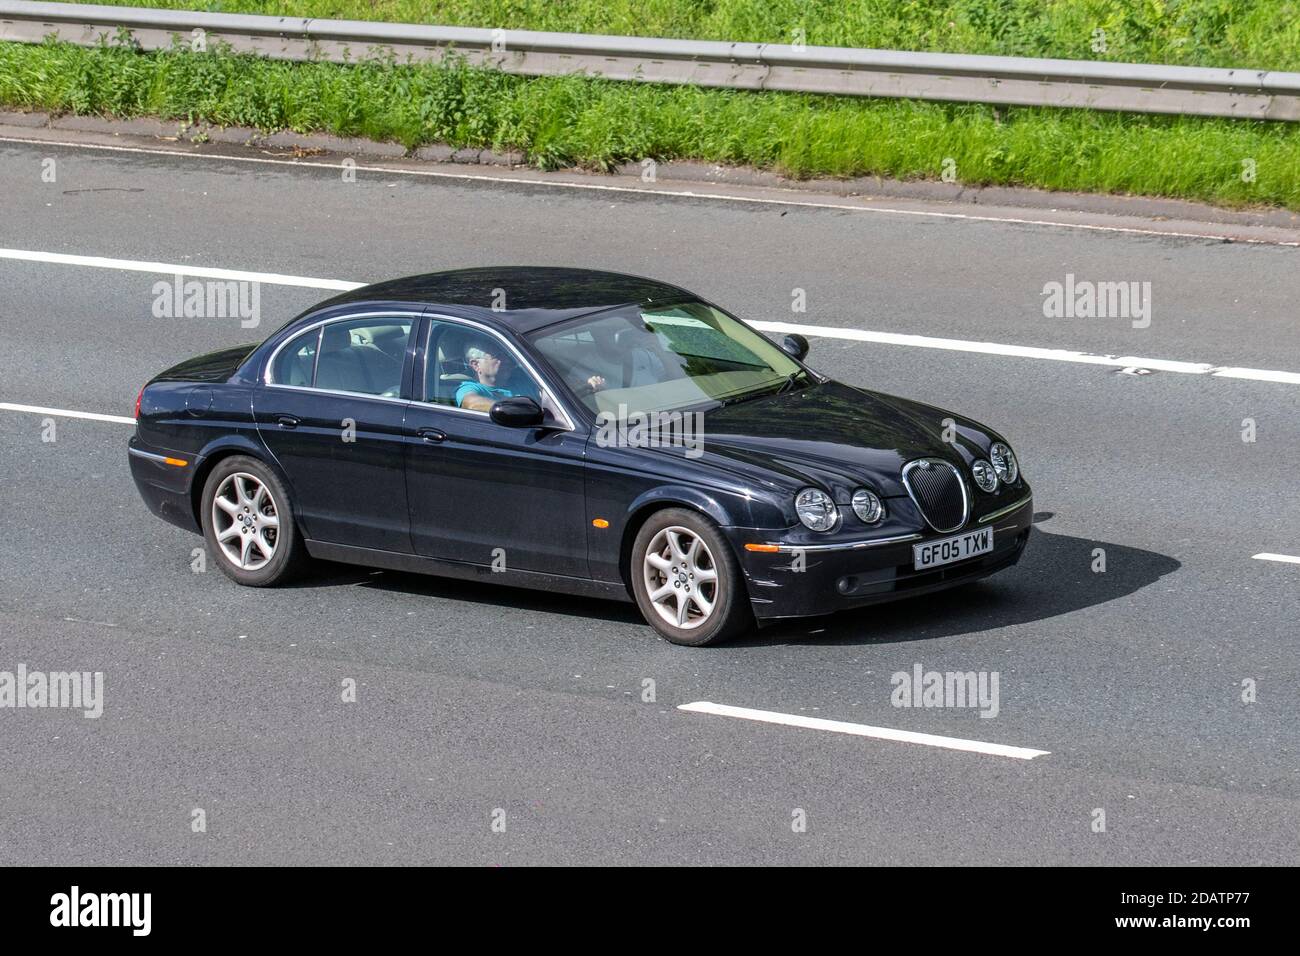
(642, 361)
(353, 364)
(450, 368)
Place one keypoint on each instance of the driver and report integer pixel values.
(498, 377)
(495, 373)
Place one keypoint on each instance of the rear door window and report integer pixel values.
(364, 355)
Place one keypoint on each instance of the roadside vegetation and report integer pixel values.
(1263, 34)
(566, 121)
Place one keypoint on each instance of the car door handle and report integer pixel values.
(432, 435)
(288, 421)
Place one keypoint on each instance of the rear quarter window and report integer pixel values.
(296, 363)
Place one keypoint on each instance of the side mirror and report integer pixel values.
(518, 411)
(795, 345)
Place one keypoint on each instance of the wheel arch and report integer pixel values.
(661, 499)
(217, 452)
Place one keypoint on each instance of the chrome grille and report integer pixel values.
(937, 489)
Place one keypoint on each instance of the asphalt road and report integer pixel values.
(473, 699)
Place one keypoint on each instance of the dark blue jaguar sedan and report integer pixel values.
(577, 431)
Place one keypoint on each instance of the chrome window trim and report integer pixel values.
(965, 493)
(846, 545)
(320, 324)
(341, 393)
(275, 354)
(454, 409)
(388, 313)
(1003, 512)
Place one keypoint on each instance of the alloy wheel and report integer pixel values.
(681, 577)
(245, 521)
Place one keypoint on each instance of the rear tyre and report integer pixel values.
(248, 523)
(686, 580)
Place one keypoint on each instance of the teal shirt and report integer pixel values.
(491, 392)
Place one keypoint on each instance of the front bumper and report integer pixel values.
(804, 582)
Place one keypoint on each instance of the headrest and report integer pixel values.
(452, 344)
(335, 339)
(636, 338)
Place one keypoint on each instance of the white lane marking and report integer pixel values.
(1257, 375)
(1032, 352)
(822, 331)
(1284, 558)
(170, 268)
(862, 730)
(655, 191)
(65, 413)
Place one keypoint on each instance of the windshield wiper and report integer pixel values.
(786, 383)
(790, 380)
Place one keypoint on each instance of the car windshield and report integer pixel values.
(653, 359)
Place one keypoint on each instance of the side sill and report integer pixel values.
(420, 564)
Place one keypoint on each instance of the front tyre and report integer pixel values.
(248, 523)
(686, 580)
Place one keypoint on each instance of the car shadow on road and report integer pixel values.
(1055, 576)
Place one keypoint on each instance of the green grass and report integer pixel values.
(1263, 34)
(560, 121)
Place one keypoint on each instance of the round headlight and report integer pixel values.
(1004, 461)
(984, 475)
(816, 509)
(867, 506)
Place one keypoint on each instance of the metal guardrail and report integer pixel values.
(1012, 81)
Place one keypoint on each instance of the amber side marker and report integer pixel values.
(178, 462)
(600, 522)
(765, 548)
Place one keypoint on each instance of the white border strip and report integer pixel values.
(1283, 558)
(65, 413)
(862, 730)
(653, 191)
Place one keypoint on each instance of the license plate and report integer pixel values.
(957, 548)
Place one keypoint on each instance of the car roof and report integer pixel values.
(534, 296)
